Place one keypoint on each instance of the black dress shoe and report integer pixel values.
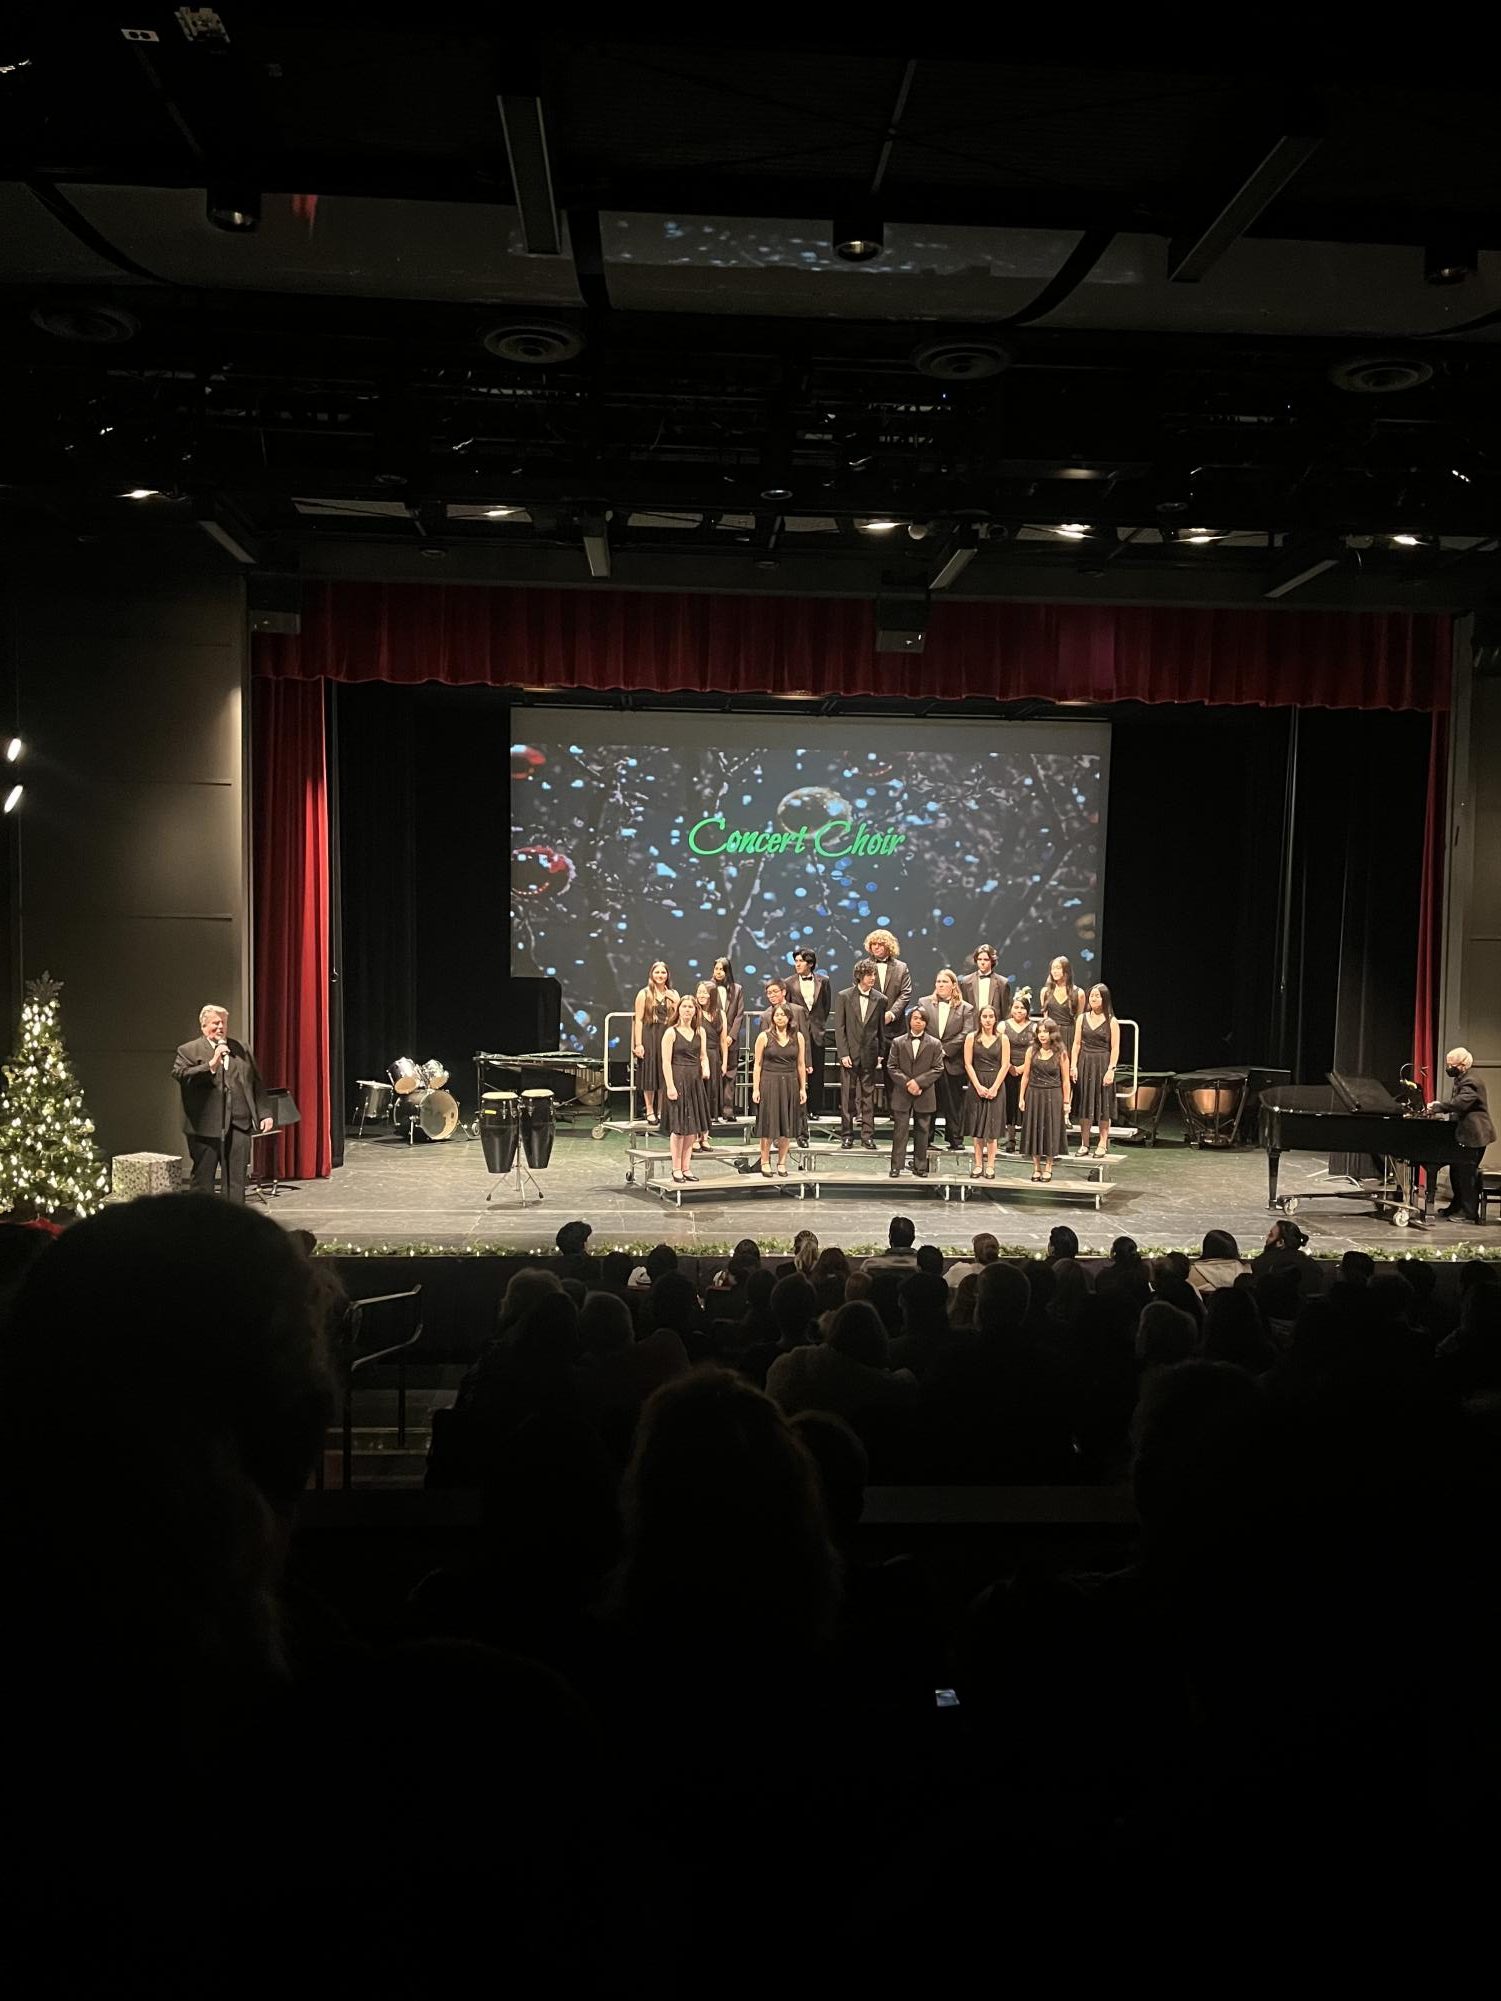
(896, 1174)
(921, 1173)
(870, 1146)
(846, 1146)
(1451, 1212)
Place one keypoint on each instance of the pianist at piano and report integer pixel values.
(1474, 1129)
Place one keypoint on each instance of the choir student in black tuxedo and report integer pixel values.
(224, 1103)
(914, 1064)
(893, 982)
(1474, 1129)
(811, 989)
(777, 995)
(1097, 1051)
(732, 1001)
(717, 1042)
(984, 987)
(857, 1041)
(950, 1021)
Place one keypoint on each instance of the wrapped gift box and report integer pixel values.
(134, 1174)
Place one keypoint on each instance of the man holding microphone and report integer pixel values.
(224, 1104)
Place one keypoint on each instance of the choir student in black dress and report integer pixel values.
(656, 1007)
(1044, 1100)
(685, 1080)
(986, 1058)
(1061, 1001)
(1097, 1051)
(717, 1042)
(1020, 1035)
(779, 1086)
(732, 1002)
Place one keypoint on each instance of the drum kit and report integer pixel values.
(413, 1097)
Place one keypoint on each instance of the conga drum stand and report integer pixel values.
(520, 1180)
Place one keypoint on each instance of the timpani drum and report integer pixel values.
(499, 1130)
(538, 1127)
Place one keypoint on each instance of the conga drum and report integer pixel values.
(499, 1129)
(537, 1127)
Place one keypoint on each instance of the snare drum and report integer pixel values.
(537, 1127)
(499, 1129)
(406, 1076)
(435, 1073)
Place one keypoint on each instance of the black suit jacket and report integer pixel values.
(206, 1095)
(894, 985)
(818, 1014)
(1470, 1109)
(961, 1021)
(926, 1067)
(1000, 995)
(860, 1042)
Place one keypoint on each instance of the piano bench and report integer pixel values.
(1490, 1191)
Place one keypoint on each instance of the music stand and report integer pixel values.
(284, 1113)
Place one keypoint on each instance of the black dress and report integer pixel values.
(1042, 1121)
(688, 1112)
(1093, 1101)
(779, 1115)
(715, 1086)
(1018, 1042)
(656, 1016)
(1063, 1014)
(986, 1120)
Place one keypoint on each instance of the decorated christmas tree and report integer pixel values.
(47, 1151)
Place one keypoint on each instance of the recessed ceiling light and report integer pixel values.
(13, 798)
(1407, 540)
(1073, 531)
(877, 524)
(1196, 535)
(500, 513)
(858, 239)
(13, 749)
(142, 493)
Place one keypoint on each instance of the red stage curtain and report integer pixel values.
(1427, 1066)
(664, 643)
(290, 851)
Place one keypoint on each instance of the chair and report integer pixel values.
(1490, 1191)
(374, 1331)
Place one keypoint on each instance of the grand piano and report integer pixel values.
(1356, 1115)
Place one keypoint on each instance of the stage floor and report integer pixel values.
(390, 1194)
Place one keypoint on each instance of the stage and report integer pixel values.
(391, 1195)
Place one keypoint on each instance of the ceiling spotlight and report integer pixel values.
(1074, 531)
(858, 239)
(1450, 263)
(142, 493)
(500, 513)
(13, 798)
(233, 208)
(877, 524)
(1407, 539)
(13, 750)
(1197, 535)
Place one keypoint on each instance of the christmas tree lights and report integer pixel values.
(47, 1151)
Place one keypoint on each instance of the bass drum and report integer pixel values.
(439, 1114)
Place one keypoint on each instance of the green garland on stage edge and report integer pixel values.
(1457, 1254)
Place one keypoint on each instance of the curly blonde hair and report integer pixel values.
(886, 938)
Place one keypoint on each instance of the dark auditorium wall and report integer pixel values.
(129, 681)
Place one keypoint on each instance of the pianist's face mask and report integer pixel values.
(1453, 1070)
